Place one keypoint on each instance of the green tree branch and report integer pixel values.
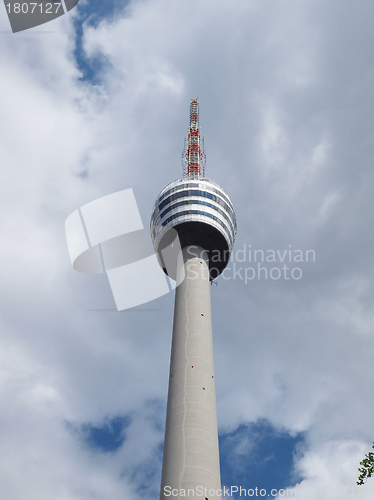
(367, 469)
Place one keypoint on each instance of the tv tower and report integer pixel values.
(202, 214)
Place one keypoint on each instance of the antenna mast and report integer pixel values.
(193, 153)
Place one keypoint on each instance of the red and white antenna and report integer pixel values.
(193, 153)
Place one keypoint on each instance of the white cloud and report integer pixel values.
(330, 471)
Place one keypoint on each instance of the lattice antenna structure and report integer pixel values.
(193, 156)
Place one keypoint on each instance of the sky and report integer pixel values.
(97, 101)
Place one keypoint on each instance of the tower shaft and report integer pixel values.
(191, 457)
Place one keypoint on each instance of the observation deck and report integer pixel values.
(202, 213)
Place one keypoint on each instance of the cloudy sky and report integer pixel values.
(97, 101)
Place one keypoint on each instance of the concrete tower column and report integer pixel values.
(191, 456)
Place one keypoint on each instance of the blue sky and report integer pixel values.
(258, 455)
(253, 455)
(92, 14)
(97, 101)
